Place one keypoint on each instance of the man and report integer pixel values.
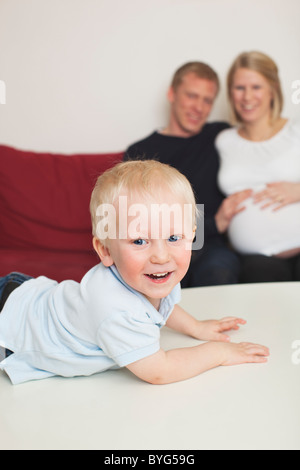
(187, 143)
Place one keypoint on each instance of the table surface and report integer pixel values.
(251, 406)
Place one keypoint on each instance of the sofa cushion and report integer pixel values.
(53, 264)
(44, 202)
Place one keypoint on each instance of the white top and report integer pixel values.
(72, 329)
(251, 165)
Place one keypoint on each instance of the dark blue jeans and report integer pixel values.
(214, 265)
(16, 277)
(260, 268)
(7, 285)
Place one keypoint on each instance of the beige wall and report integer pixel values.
(92, 75)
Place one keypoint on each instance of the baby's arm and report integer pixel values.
(179, 364)
(210, 330)
(166, 367)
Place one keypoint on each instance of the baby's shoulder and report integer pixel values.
(105, 292)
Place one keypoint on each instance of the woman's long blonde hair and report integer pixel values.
(264, 65)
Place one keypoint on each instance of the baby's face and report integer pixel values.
(152, 249)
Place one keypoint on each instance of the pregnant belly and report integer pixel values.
(263, 231)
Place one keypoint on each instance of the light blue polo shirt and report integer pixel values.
(72, 329)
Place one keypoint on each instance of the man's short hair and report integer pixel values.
(200, 69)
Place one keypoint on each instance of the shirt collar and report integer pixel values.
(166, 304)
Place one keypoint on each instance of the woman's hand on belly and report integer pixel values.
(229, 208)
(266, 232)
(279, 194)
(289, 253)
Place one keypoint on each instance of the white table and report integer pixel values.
(241, 407)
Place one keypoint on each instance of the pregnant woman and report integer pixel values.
(262, 153)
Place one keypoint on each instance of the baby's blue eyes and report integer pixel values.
(174, 238)
(141, 241)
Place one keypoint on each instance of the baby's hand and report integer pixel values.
(212, 330)
(241, 353)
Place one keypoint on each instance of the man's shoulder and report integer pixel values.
(149, 138)
(155, 143)
(139, 149)
(216, 127)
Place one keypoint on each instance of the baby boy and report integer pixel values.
(144, 219)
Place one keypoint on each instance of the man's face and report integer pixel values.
(191, 104)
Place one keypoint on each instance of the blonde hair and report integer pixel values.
(142, 176)
(200, 69)
(264, 65)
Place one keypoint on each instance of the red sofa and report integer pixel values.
(45, 226)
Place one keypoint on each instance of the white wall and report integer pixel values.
(92, 75)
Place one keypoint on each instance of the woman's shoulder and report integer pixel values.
(294, 126)
(226, 136)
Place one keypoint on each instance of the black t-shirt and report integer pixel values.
(196, 157)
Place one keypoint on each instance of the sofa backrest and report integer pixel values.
(44, 199)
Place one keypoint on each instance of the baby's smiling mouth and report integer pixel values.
(159, 276)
